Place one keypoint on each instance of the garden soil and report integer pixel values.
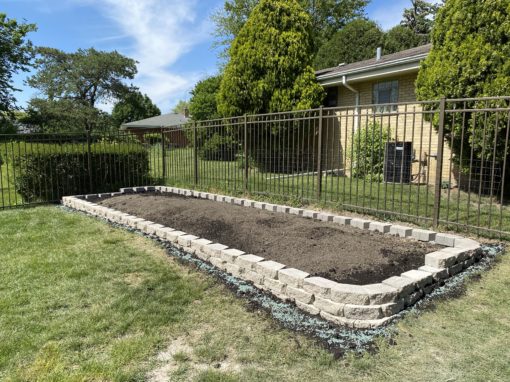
(341, 253)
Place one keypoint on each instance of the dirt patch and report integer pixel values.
(340, 253)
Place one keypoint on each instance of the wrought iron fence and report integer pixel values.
(434, 163)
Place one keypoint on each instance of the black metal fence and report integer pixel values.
(434, 163)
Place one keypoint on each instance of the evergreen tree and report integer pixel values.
(272, 52)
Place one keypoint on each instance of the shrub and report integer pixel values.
(367, 154)
(48, 172)
(219, 147)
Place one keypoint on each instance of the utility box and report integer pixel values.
(398, 158)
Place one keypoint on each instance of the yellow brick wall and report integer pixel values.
(407, 124)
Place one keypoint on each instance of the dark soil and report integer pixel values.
(340, 253)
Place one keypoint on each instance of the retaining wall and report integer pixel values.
(355, 306)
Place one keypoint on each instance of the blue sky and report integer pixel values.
(171, 39)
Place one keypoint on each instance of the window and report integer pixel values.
(331, 97)
(384, 93)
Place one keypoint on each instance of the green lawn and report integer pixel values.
(81, 301)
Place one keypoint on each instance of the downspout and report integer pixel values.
(356, 102)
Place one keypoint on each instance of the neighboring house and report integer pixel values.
(379, 80)
(174, 135)
(381, 90)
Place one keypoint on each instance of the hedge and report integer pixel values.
(48, 172)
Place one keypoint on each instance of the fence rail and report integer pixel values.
(434, 163)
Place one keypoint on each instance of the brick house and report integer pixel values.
(381, 89)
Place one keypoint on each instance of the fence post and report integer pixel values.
(319, 158)
(163, 154)
(245, 154)
(195, 153)
(89, 162)
(439, 163)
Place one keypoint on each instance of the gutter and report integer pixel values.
(367, 68)
(356, 101)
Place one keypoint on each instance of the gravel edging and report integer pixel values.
(353, 306)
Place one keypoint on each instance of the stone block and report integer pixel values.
(342, 321)
(379, 227)
(275, 286)
(296, 211)
(283, 209)
(292, 276)
(325, 217)
(249, 203)
(343, 220)
(214, 249)
(467, 263)
(198, 244)
(423, 234)
(252, 276)
(217, 262)
(174, 235)
(401, 231)
(270, 207)
(185, 240)
(403, 285)
(259, 205)
(421, 278)
(349, 294)
(269, 268)
(363, 312)
(238, 202)
(446, 239)
(300, 295)
(442, 259)
(162, 232)
(360, 223)
(228, 199)
(229, 255)
(381, 293)
(318, 286)
(413, 298)
(234, 270)
(329, 306)
(248, 261)
(310, 214)
(467, 244)
(393, 308)
(310, 309)
(437, 273)
(211, 197)
(454, 269)
(152, 228)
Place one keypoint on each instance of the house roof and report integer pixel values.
(406, 59)
(164, 120)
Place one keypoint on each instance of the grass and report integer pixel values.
(81, 301)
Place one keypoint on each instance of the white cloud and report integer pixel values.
(161, 31)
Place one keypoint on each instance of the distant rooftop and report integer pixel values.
(164, 120)
(398, 58)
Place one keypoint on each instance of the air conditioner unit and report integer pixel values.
(398, 158)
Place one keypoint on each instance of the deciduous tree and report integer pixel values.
(134, 106)
(203, 104)
(16, 54)
(357, 41)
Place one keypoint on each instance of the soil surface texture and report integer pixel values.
(341, 253)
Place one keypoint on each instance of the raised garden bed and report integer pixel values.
(338, 252)
(350, 304)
